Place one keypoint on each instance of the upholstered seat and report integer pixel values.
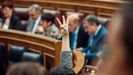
(1, 59)
(15, 53)
(32, 57)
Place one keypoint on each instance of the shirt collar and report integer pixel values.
(98, 29)
(76, 31)
(37, 19)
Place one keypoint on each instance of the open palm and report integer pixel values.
(64, 26)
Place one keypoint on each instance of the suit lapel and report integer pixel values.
(96, 39)
(79, 37)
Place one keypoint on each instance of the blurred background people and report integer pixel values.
(27, 68)
(120, 41)
(35, 12)
(77, 34)
(96, 39)
(9, 19)
(47, 26)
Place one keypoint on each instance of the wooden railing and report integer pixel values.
(51, 48)
(47, 46)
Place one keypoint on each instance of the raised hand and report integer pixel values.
(64, 26)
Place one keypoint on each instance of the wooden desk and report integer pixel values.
(47, 46)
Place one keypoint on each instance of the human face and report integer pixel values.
(72, 26)
(33, 14)
(7, 11)
(90, 29)
(44, 23)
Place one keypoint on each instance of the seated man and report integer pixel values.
(78, 36)
(47, 26)
(35, 12)
(97, 37)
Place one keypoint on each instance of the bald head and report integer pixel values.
(74, 22)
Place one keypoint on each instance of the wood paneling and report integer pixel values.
(100, 8)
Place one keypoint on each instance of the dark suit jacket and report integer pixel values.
(82, 39)
(15, 22)
(98, 43)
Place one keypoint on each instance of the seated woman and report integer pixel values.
(9, 19)
(47, 26)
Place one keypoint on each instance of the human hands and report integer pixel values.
(64, 26)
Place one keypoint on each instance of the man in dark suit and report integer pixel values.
(97, 37)
(77, 34)
(35, 12)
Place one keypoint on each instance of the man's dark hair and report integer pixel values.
(91, 19)
(48, 17)
(61, 70)
(8, 4)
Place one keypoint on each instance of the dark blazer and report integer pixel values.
(15, 22)
(98, 43)
(82, 39)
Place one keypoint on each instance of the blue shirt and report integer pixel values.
(74, 38)
(91, 37)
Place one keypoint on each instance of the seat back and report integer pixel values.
(81, 15)
(32, 57)
(1, 59)
(15, 53)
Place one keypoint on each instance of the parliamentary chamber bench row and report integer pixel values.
(17, 46)
(103, 9)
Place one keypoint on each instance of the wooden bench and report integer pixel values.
(51, 48)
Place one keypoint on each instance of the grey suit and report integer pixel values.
(32, 24)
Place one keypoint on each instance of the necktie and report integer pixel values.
(72, 40)
(91, 41)
(32, 26)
